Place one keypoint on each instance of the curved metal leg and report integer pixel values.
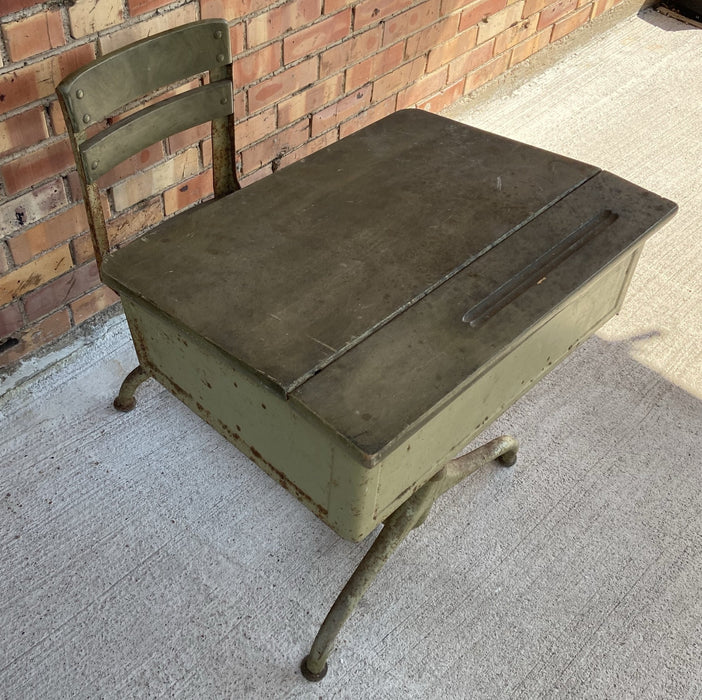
(409, 515)
(125, 400)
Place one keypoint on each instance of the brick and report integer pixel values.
(443, 99)
(90, 16)
(249, 69)
(445, 53)
(338, 112)
(58, 124)
(39, 80)
(147, 183)
(240, 103)
(349, 51)
(570, 24)
(398, 79)
(48, 234)
(281, 20)
(601, 6)
(527, 48)
(514, 35)
(554, 12)
(10, 320)
(23, 130)
(32, 275)
(479, 11)
(124, 228)
(28, 170)
(369, 116)
(275, 147)
(425, 40)
(140, 30)
(188, 193)
(282, 85)
(206, 153)
(256, 175)
(332, 6)
(499, 22)
(138, 7)
(33, 35)
(31, 207)
(374, 67)
(92, 303)
(255, 128)
(82, 249)
(4, 255)
(374, 11)
(410, 21)
(134, 164)
(310, 40)
(61, 291)
(231, 9)
(450, 6)
(470, 61)
(310, 100)
(10, 6)
(310, 146)
(187, 138)
(423, 88)
(488, 72)
(37, 335)
(237, 38)
(533, 6)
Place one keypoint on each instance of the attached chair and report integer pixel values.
(353, 321)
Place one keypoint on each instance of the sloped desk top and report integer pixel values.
(372, 280)
(318, 256)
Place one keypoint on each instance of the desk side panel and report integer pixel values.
(454, 423)
(291, 446)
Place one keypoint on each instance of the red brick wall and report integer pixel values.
(309, 73)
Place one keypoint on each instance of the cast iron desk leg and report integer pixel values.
(409, 515)
(125, 400)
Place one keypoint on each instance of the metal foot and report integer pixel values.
(314, 677)
(125, 400)
(409, 515)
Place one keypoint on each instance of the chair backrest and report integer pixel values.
(106, 86)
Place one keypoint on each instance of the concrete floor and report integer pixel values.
(143, 556)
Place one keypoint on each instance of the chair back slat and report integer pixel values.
(138, 131)
(102, 87)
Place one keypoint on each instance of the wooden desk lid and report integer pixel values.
(292, 272)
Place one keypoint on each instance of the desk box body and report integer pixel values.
(356, 404)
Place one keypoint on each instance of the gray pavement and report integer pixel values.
(142, 556)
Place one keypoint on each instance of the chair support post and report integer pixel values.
(398, 525)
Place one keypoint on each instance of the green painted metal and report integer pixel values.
(102, 87)
(409, 515)
(305, 456)
(138, 131)
(126, 401)
(310, 455)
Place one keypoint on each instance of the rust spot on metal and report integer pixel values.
(286, 483)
